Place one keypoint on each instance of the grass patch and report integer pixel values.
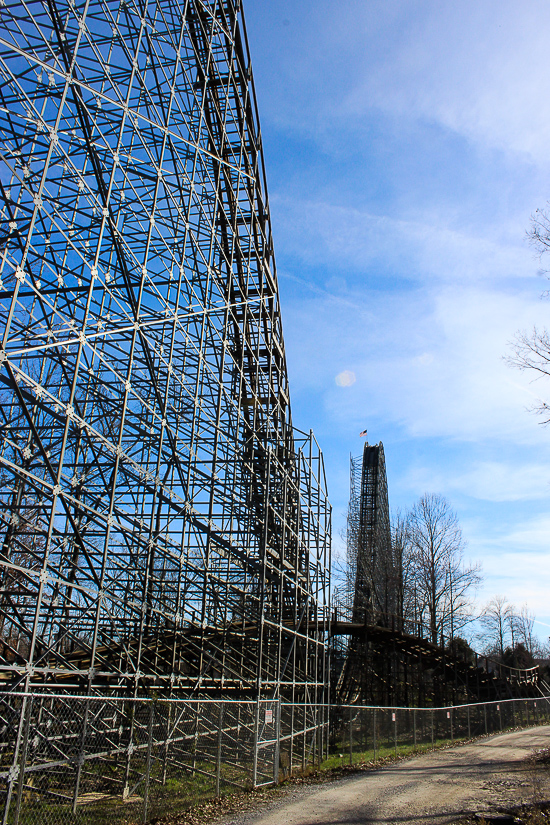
(187, 799)
(181, 791)
(383, 754)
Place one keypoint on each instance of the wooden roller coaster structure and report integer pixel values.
(163, 526)
(378, 655)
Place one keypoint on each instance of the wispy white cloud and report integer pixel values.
(510, 578)
(320, 232)
(430, 361)
(421, 131)
(517, 563)
(505, 481)
(494, 481)
(530, 538)
(479, 69)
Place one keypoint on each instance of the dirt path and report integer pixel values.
(439, 787)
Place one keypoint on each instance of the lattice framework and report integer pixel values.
(163, 525)
(369, 545)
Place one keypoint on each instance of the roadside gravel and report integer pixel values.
(489, 775)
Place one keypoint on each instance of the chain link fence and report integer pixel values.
(74, 759)
(368, 733)
(91, 760)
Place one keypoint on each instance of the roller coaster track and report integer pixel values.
(154, 493)
(477, 678)
(212, 661)
(387, 658)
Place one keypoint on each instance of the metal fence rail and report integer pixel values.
(368, 733)
(75, 759)
(85, 759)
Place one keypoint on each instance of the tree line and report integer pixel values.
(418, 573)
(420, 578)
(508, 634)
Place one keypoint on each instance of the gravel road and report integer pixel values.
(438, 787)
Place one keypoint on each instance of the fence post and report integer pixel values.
(129, 749)
(167, 737)
(196, 737)
(321, 726)
(219, 750)
(432, 728)
(80, 756)
(374, 732)
(255, 744)
(469, 730)
(321, 747)
(485, 718)
(291, 740)
(313, 748)
(277, 742)
(326, 712)
(395, 730)
(22, 764)
(15, 768)
(148, 764)
(327, 731)
(414, 728)
(304, 739)
(350, 737)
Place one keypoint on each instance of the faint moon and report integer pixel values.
(345, 379)
(424, 360)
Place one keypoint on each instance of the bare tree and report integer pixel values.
(443, 582)
(498, 622)
(404, 566)
(531, 350)
(524, 621)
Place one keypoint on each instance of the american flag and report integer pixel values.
(363, 433)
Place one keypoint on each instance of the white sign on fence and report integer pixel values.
(268, 717)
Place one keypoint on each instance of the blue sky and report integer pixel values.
(406, 146)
